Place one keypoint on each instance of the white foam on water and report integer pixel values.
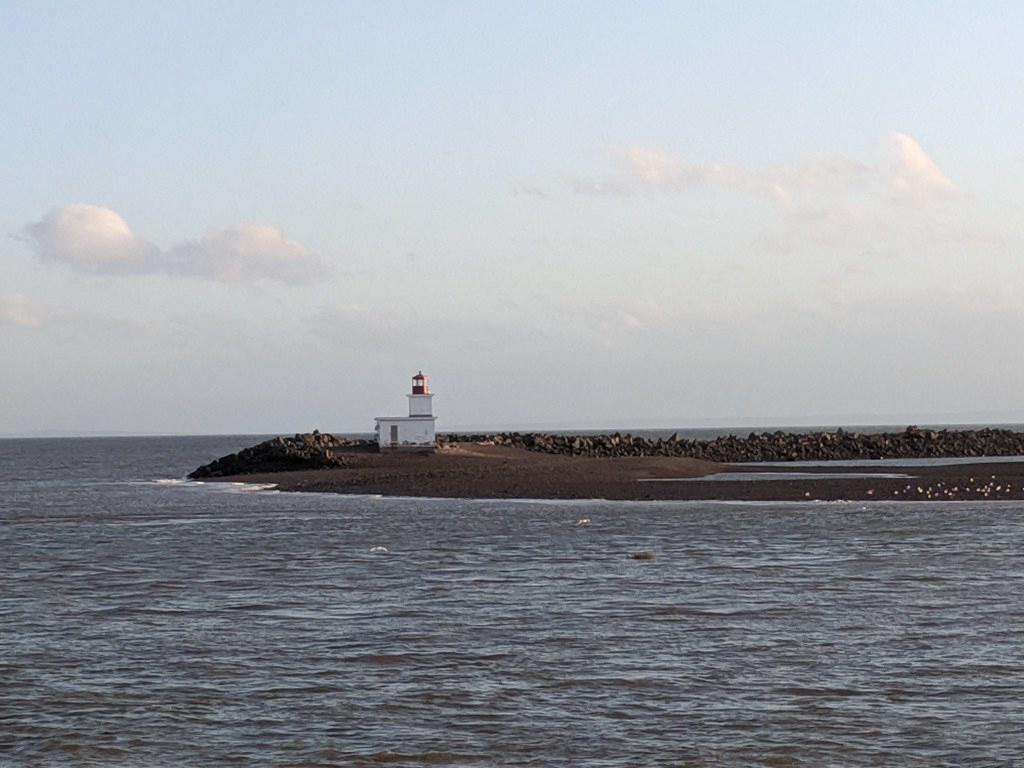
(252, 487)
(232, 487)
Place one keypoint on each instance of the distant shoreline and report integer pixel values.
(705, 429)
(468, 470)
(785, 446)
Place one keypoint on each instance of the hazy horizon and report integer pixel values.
(964, 420)
(255, 217)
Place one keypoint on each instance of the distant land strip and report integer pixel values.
(318, 450)
(911, 443)
(622, 466)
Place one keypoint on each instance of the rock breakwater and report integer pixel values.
(317, 450)
(772, 446)
(313, 450)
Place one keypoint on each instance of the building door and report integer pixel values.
(394, 434)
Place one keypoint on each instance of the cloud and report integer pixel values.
(655, 167)
(97, 240)
(90, 239)
(905, 171)
(645, 168)
(16, 309)
(913, 172)
(658, 169)
(245, 253)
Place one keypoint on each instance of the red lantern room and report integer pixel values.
(419, 384)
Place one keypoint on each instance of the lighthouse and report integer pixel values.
(414, 432)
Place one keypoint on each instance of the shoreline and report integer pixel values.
(272, 488)
(469, 471)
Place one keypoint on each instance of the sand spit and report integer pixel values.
(472, 470)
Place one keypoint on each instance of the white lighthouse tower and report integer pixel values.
(414, 432)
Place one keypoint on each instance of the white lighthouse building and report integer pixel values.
(414, 432)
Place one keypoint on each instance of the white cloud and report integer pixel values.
(97, 240)
(17, 309)
(652, 166)
(245, 253)
(913, 172)
(904, 172)
(91, 239)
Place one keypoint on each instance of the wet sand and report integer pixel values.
(488, 471)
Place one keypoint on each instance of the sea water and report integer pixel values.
(148, 621)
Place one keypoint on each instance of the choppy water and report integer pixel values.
(146, 624)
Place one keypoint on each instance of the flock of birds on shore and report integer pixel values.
(985, 489)
(943, 491)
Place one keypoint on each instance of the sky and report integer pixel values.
(252, 217)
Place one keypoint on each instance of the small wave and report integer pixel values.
(253, 487)
(232, 487)
(383, 658)
(421, 758)
(704, 613)
(824, 692)
(175, 521)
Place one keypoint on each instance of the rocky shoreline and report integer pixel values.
(617, 466)
(911, 443)
(314, 450)
(318, 450)
(479, 471)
